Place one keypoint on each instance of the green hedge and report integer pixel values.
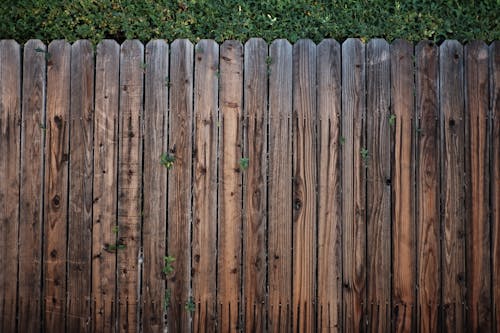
(241, 19)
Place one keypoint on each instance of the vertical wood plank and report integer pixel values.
(377, 160)
(353, 183)
(56, 184)
(80, 180)
(329, 185)
(31, 188)
(105, 195)
(452, 186)
(155, 184)
(10, 119)
(427, 186)
(204, 256)
(477, 188)
(280, 184)
(403, 232)
(254, 180)
(304, 186)
(179, 182)
(129, 182)
(230, 191)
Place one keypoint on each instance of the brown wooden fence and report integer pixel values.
(330, 187)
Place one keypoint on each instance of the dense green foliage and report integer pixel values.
(241, 19)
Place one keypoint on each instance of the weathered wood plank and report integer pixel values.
(280, 185)
(353, 184)
(31, 188)
(254, 182)
(204, 256)
(304, 185)
(329, 185)
(477, 188)
(10, 119)
(427, 186)
(179, 182)
(377, 160)
(56, 184)
(452, 122)
(105, 198)
(155, 185)
(403, 233)
(80, 192)
(230, 192)
(129, 182)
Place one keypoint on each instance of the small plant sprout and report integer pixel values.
(190, 305)
(115, 229)
(244, 162)
(342, 140)
(364, 155)
(166, 299)
(269, 62)
(217, 73)
(143, 65)
(168, 268)
(167, 160)
(392, 119)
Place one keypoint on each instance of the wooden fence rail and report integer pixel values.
(257, 187)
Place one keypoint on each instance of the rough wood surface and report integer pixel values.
(280, 185)
(204, 256)
(31, 187)
(353, 184)
(56, 184)
(230, 191)
(329, 68)
(10, 118)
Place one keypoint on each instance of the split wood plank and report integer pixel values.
(230, 190)
(180, 182)
(130, 134)
(56, 184)
(154, 231)
(329, 69)
(204, 256)
(353, 184)
(10, 120)
(280, 185)
(31, 187)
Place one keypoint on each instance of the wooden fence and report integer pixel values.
(330, 187)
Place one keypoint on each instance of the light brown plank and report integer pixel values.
(56, 184)
(254, 181)
(10, 148)
(204, 256)
(403, 163)
(105, 198)
(329, 186)
(179, 182)
(230, 192)
(155, 185)
(477, 188)
(129, 182)
(31, 190)
(304, 185)
(353, 183)
(452, 186)
(280, 185)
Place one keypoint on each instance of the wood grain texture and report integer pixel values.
(353, 184)
(230, 191)
(204, 256)
(477, 188)
(254, 182)
(329, 69)
(403, 195)
(56, 184)
(378, 184)
(280, 185)
(427, 183)
(105, 191)
(129, 183)
(452, 185)
(304, 185)
(31, 187)
(10, 129)
(179, 181)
